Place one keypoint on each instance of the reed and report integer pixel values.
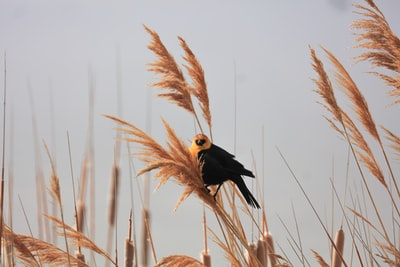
(178, 261)
(174, 160)
(35, 252)
(379, 47)
(129, 246)
(56, 193)
(2, 185)
(320, 259)
(337, 253)
(371, 236)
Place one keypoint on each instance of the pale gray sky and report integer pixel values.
(52, 46)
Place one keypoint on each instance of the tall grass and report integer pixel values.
(381, 47)
(366, 236)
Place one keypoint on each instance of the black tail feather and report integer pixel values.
(250, 199)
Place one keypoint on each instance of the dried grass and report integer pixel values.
(35, 252)
(390, 254)
(79, 239)
(173, 161)
(173, 80)
(341, 121)
(381, 44)
(394, 141)
(199, 87)
(320, 259)
(179, 261)
(3, 156)
(325, 88)
(56, 193)
(360, 105)
(172, 77)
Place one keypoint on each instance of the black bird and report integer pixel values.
(219, 165)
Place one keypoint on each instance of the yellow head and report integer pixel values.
(200, 142)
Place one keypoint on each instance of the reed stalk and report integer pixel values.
(3, 156)
(56, 193)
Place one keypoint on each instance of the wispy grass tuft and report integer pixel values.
(179, 261)
(172, 79)
(35, 252)
(382, 45)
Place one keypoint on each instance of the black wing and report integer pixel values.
(212, 171)
(228, 161)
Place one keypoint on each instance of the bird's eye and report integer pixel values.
(200, 142)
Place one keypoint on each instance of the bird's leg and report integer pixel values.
(215, 194)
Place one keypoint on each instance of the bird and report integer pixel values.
(218, 166)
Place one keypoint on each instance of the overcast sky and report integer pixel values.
(54, 47)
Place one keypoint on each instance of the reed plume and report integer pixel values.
(341, 121)
(175, 161)
(56, 193)
(179, 261)
(382, 46)
(180, 92)
(35, 252)
(359, 148)
(360, 105)
(320, 259)
(394, 141)
(325, 88)
(199, 85)
(79, 239)
(172, 77)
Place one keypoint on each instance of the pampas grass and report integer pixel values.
(3, 154)
(371, 235)
(179, 261)
(180, 92)
(35, 252)
(380, 48)
(79, 239)
(375, 35)
(174, 160)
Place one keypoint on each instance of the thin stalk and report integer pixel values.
(131, 171)
(57, 195)
(92, 87)
(29, 227)
(310, 203)
(298, 235)
(73, 188)
(40, 184)
(3, 154)
(205, 231)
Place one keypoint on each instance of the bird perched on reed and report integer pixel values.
(219, 165)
